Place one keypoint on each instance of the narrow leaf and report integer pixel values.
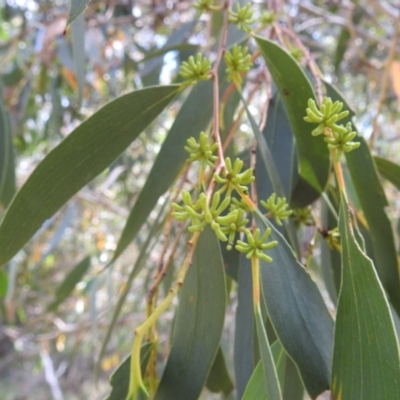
(244, 359)
(293, 387)
(255, 388)
(295, 89)
(366, 362)
(373, 202)
(389, 170)
(69, 283)
(270, 376)
(76, 9)
(198, 324)
(298, 313)
(279, 355)
(86, 152)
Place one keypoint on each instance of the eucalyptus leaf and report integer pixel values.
(298, 313)
(366, 363)
(69, 283)
(197, 331)
(86, 152)
(76, 9)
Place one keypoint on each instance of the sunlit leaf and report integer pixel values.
(86, 152)
(366, 363)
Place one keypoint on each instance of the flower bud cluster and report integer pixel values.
(333, 239)
(237, 61)
(277, 208)
(303, 216)
(342, 141)
(267, 18)
(195, 70)
(204, 5)
(200, 214)
(201, 151)
(339, 137)
(243, 17)
(233, 179)
(256, 245)
(226, 216)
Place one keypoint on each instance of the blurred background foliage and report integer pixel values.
(52, 79)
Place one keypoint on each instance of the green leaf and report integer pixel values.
(171, 47)
(218, 379)
(373, 202)
(295, 89)
(78, 52)
(255, 388)
(69, 283)
(389, 170)
(366, 362)
(298, 313)
(3, 283)
(197, 331)
(76, 9)
(293, 387)
(244, 359)
(190, 121)
(7, 170)
(86, 152)
(119, 380)
(279, 355)
(270, 376)
(341, 47)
